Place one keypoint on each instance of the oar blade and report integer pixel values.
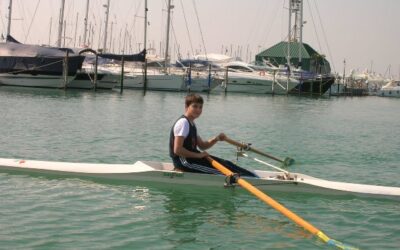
(288, 161)
(340, 245)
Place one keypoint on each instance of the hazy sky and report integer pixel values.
(364, 32)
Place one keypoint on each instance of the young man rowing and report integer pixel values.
(184, 143)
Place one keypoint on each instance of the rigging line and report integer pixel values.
(33, 18)
(198, 22)
(324, 34)
(261, 10)
(315, 28)
(187, 29)
(286, 37)
(176, 41)
(2, 21)
(163, 31)
(283, 37)
(22, 10)
(133, 24)
(271, 24)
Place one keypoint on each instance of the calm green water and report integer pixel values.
(348, 139)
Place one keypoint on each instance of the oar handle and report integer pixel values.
(248, 147)
(235, 143)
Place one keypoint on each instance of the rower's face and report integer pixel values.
(195, 109)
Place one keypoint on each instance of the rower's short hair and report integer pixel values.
(193, 98)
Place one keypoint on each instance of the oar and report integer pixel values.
(276, 205)
(267, 164)
(287, 161)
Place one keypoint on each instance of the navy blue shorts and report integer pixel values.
(202, 165)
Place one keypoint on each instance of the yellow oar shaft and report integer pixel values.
(276, 205)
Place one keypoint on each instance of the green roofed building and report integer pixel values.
(311, 60)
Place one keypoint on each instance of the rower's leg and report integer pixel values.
(235, 168)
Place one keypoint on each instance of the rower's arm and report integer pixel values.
(211, 142)
(181, 151)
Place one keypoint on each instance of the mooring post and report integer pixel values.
(300, 83)
(320, 87)
(96, 62)
(65, 69)
(226, 80)
(145, 75)
(122, 75)
(209, 78)
(273, 83)
(287, 81)
(189, 85)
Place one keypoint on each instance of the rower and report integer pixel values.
(184, 143)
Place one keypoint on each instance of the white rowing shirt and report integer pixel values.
(181, 127)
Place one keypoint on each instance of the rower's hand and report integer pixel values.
(203, 154)
(221, 137)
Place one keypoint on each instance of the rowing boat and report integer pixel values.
(158, 172)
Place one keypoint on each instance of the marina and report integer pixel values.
(86, 115)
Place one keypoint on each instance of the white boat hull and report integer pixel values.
(159, 82)
(28, 80)
(105, 83)
(255, 84)
(200, 84)
(164, 173)
(395, 92)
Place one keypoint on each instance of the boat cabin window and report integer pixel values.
(154, 65)
(240, 68)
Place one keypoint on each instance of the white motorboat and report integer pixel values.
(391, 89)
(244, 78)
(157, 172)
(84, 79)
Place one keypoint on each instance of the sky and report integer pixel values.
(364, 33)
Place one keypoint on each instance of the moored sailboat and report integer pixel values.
(37, 66)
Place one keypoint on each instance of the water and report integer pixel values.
(348, 139)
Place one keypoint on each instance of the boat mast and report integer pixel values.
(85, 23)
(169, 7)
(9, 18)
(76, 27)
(51, 22)
(296, 7)
(106, 25)
(289, 34)
(60, 23)
(145, 46)
(299, 27)
(145, 25)
(301, 33)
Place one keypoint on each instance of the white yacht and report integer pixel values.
(242, 77)
(392, 89)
